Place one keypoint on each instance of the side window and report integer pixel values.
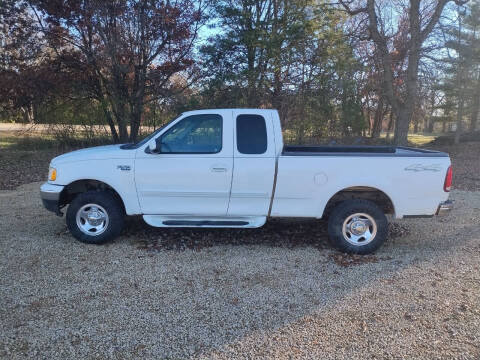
(196, 134)
(251, 134)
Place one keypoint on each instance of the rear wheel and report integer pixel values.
(95, 217)
(357, 226)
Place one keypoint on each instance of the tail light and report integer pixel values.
(447, 185)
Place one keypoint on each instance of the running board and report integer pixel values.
(204, 222)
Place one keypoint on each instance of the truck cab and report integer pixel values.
(207, 165)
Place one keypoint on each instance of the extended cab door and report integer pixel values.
(254, 163)
(192, 173)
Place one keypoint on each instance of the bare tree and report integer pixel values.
(422, 19)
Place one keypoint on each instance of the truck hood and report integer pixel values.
(95, 153)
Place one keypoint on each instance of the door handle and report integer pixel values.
(218, 169)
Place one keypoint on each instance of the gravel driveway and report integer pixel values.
(246, 294)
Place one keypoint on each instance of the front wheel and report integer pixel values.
(357, 227)
(95, 217)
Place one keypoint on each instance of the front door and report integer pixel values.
(192, 173)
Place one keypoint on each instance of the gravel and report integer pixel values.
(277, 292)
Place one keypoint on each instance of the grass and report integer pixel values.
(415, 139)
(13, 141)
(421, 139)
(10, 140)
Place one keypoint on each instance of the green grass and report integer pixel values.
(421, 139)
(40, 141)
(415, 139)
(22, 142)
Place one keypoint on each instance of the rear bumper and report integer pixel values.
(444, 207)
(50, 195)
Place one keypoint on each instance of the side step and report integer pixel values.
(205, 222)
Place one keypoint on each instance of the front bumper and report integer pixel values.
(444, 207)
(50, 195)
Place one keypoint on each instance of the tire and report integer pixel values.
(95, 217)
(357, 227)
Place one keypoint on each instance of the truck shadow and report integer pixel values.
(275, 233)
(284, 233)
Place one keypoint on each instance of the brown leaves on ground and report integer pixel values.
(396, 230)
(276, 233)
(347, 260)
(466, 164)
(18, 167)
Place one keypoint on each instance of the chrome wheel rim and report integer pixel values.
(359, 229)
(92, 219)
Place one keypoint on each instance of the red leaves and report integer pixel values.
(117, 52)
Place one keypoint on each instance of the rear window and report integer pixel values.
(251, 134)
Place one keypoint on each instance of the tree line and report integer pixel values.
(332, 69)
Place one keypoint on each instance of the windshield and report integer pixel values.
(146, 139)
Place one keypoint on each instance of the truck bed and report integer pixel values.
(359, 150)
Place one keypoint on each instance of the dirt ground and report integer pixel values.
(275, 292)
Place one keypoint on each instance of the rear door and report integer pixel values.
(254, 163)
(192, 174)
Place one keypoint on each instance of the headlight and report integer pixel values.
(52, 174)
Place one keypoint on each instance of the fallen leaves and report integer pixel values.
(347, 260)
(18, 167)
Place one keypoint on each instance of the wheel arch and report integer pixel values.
(377, 196)
(77, 187)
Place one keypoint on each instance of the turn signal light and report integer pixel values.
(447, 185)
(52, 174)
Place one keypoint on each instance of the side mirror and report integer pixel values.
(152, 145)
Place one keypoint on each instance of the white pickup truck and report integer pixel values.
(229, 168)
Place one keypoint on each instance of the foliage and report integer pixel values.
(342, 70)
(290, 55)
(461, 66)
(120, 54)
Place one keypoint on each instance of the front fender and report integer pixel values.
(116, 173)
